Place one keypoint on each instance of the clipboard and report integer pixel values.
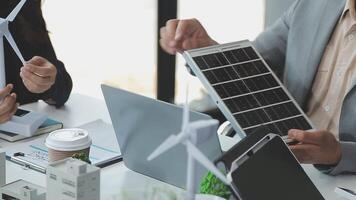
(263, 167)
(103, 152)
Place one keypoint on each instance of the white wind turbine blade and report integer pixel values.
(185, 120)
(204, 124)
(170, 142)
(15, 11)
(2, 63)
(14, 46)
(205, 129)
(203, 160)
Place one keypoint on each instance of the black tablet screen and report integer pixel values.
(273, 173)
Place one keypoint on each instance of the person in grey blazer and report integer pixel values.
(294, 47)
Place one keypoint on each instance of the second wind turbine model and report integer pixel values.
(188, 137)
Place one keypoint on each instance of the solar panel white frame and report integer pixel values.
(190, 54)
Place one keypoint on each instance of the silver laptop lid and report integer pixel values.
(141, 124)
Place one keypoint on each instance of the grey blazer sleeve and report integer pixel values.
(272, 43)
(348, 159)
(347, 162)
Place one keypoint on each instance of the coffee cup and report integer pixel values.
(65, 143)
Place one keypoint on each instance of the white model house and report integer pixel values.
(22, 190)
(2, 168)
(72, 179)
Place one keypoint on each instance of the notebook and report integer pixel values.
(48, 126)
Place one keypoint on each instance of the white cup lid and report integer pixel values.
(68, 140)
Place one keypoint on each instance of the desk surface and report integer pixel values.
(117, 180)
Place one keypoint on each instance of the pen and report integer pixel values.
(15, 158)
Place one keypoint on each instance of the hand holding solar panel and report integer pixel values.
(245, 89)
(180, 35)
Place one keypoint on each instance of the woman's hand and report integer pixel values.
(8, 105)
(38, 74)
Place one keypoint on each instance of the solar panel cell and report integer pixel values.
(222, 59)
(245, 70)
(260, 83)
(252, 118)
(281, 111)
(274, 96)
(231, 89)
(261, 67)
(275, 129)
(293, 123)
(211, 77)
(241, 103)
(240, 55)
(201, 63)
(211, 60)
(251, 53)
(230, 57)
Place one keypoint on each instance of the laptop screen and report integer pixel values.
(141, 124)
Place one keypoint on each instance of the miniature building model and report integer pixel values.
(2, 168)
(22, 190)
(72, 179)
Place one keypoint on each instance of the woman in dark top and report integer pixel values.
(43, 77)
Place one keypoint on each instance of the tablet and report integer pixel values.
(269, 170)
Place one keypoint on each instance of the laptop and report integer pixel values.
(141, 124)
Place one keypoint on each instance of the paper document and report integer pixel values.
(103, 150)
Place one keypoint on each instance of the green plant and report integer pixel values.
(82, 156)
(214, 186)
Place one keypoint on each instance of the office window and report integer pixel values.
(106, 40)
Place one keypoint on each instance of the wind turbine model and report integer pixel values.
(188, 137)
(25, 123)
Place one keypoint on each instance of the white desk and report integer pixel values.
(117, 179)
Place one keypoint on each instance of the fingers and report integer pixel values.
(188, 44)
(33, 87)
(7, 116)
(43, 71)
(6, 91)
(306, 137)
(185, 28)
(304, 152)
(171, 27)
(165, 47)
(179, 32)
(37, 60)
(38, 74)
(167, 34)
(7, 103)
(180, 35)
(27, 75)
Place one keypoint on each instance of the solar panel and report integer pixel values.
(245, 89)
